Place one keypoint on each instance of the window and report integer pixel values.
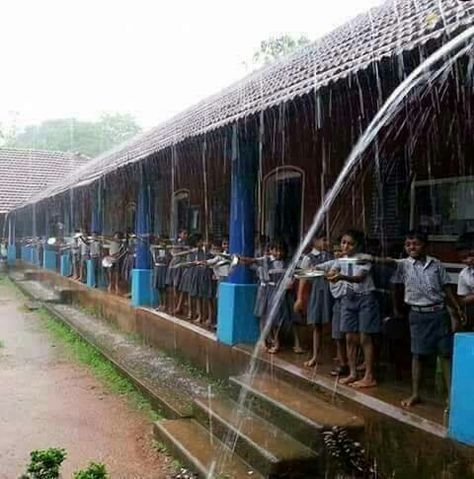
(443, 208)
(180, 211)
(283, 205)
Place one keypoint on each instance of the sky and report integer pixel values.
(151, 58)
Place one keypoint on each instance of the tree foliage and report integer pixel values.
(70, 134)
(276, 47)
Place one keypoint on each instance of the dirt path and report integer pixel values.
(48, 401)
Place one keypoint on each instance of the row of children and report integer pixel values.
(345, 296)
(187, 276)
(119, 250)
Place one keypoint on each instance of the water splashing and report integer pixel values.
(427, 72)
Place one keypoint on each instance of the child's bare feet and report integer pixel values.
(298, 350)
(311, 363)
(411, 401)
(273, 350)
(348, 379)
(364, 383)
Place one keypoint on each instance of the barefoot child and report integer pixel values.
(426, 285)
(319, 310)
(359, 314)
(271, 270)
(161, 259)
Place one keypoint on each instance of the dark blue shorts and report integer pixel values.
(431, 333)
(336, 320)
(360, 313)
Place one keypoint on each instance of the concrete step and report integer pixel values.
(260, 443)
(198, 449)
(301, 413)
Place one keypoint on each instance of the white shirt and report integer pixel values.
(342, 288)
(94, 248)
(306, 261)
(114, 247)
(466, 281)
(219, 271)
(424, 281)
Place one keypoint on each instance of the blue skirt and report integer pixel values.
(320, 303)
(261, 301)
(161, 273)
(186, 279)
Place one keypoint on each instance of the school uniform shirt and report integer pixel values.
(424, 281)
(114, 247)
(84, 249)
(94, 248)
(342, 288)
(466, 281)
(221, 271)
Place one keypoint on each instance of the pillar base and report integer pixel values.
(92, 273)
(143, 292)
(236, 322)
(11, 254)
(65, 265)
(50, 259)
(461, 416)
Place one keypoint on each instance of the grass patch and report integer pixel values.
(2, 344)
(82, 352)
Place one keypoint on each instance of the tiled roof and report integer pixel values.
(386, 31)
(23, 173)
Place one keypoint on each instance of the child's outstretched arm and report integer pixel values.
(459, 317)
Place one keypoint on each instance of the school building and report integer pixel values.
(25, 172)
(258, 158)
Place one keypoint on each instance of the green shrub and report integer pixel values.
(45, 464)
(95, 470)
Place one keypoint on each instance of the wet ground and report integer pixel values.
(48, 401)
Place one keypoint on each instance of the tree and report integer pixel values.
(70, 134)
(276, 47)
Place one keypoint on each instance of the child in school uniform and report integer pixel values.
(426, 292)
(116, 252)
(206, 289)
(94, 251)
(359, 313)
(465, 288)
(76, 254)
(271, 270)
(319, 309)
(84, 249)
(161, 259)
(175, 272)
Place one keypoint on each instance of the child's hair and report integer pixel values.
(418, 235)
(119, 234)
(279, 244)
(320, 235)
(195, 238)
(358, 237)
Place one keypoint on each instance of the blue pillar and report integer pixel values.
(236, 322)
(461, 416)
(143, 291)
(92, 279)
(11, 250)
(11, 254)
(65, 264)
(50, 259)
